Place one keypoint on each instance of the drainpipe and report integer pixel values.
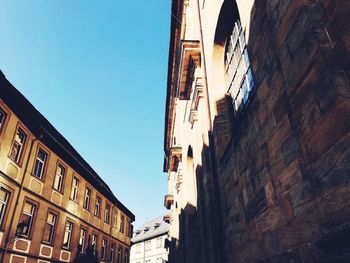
(17, 198)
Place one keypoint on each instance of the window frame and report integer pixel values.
(94, 244)
(34, 216)
(122, 224)
(7, 114)
(97, 209)
(68, 221)
(111, 254)
(107, 214)
(20, 157)
(45, 164)
(3, 218)
(104, 246)
(75, 199)
(81, 247)
(50, 211)
(59, 163)
(87, 205)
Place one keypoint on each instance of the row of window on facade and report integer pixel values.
(148, 245)
(28, 216)
(40, 164)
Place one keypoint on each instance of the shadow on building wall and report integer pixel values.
(275, 184)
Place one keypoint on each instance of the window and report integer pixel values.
(148, 245)
(121, 224)
(107, 213)
(138, 248)
(4, 199)
(126, 256)
(159, 260)
(2, 118)
(58, 182)
(94, 243)
(239, 76)
(82, 240)
(50, 227)
(74, 189)
(27, 217)
(104, 249)
(68, 231)
(87, 198)
(40, 163)
(159, 242)
(97, 206)
(114, 218)
(18, 145)
(119, 259)
(111, 254)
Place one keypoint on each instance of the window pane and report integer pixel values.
(67, 234)
(4, 195)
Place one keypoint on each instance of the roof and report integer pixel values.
(151, 229)
(43, 129)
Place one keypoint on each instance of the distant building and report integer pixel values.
(50, 194)
(149, 242)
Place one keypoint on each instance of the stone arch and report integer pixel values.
(228, 15)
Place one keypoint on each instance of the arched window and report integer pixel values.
(238, 71)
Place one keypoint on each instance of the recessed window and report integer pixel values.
(82, 240)
(148, 245)
(2, 118)
(50, 227)
(40, 163)
(58, 182)
(126, 256)
(68, 231)
(87, 198)
(27, 217)
(114, 219)
(121, 229)
(104, 249)
(94, 243)
(18, 145)
(74, 189)
(159, 242)
(4, 200)
(107, 213)
(97, 206)
(239, 75)
(119, 259)
(112, 253)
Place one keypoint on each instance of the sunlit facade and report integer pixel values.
(50, 195)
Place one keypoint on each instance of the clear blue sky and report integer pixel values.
(96, 69)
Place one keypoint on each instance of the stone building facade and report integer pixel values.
(50, 194)
(257, 131)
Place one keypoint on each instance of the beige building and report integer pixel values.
(148, 242)
(50, 195)
(257, 131)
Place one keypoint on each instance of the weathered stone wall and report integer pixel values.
(284, 176)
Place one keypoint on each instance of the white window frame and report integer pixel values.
(68, 232)
(39, 161)
(18, 145)
(82, 239)
(98, 202)
(52, 226)
(74, 189)
(87, 198)
(4, 205)
(59, 177)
